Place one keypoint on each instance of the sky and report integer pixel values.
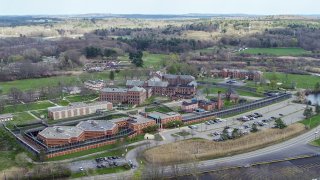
(65, 7)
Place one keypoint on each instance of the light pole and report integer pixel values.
(315, 135)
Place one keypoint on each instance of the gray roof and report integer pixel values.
(118, 119)
(134, 83)
(137, 89)
(3, 116)
(158, 83)
(76, 105)
(61, 132)
(96, 125)
(157, 115)
(173, 76)
(138, 119)
(119, 90)
(193, 83)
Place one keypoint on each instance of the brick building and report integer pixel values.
(164, 118)
(237, 74)
(77, 109)
(61, 135)
(138, 123)
(189, 106)
(97, 128)
(181, 86)
(135, 95)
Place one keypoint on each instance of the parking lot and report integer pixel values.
(287, 111)
(102, 162)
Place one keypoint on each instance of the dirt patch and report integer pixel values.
(200, 149)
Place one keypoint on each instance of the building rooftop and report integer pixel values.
(61, 132)
(118, 119)
(137, 89)
(159, 115)
(185, 103)
(139, 119)
(96, 125)
(134, 83)
(76, 105)
(173, 76)
(116, 90)
(2, 116)
(157, 83)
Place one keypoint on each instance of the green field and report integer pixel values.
(81, 98)
(22, 117)
(27, 107)
(240, 92)
(312, 122)
(276, 51)
(153, 60)
(93, 172)
(303, 81)
(316, 142)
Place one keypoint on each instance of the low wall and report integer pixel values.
(201, 119)
(70, 151)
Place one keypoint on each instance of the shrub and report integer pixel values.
(172, 124)
(150, 129)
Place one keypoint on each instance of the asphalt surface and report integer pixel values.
(294, 147)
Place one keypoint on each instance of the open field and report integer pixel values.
(81, 98)
(204, 149)
(37, 83)
(303, 81)
(276, 51)
(312, 122)
(316, 142)
(99, 171)
(22, 117)
(27, 107)
(153, 60)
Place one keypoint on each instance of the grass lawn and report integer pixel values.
(80, 98)
(22, 117)
(153, 60)
(276, 51)
(183, 133)
(117, 152)
(312, 122)
(240, 92)
(82, 153)
(303, 81)
(39, 113)
(95, 150)
(316, 142)
(27, 107)
(162, 109)
(99, 171)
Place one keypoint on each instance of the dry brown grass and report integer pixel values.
(183, 151)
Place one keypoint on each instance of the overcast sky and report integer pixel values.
(264, 7)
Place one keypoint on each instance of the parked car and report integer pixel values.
(281, 114)
(81, 169)
(216, 133)
(193, 127)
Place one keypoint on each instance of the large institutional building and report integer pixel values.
(77, 109)
(137, 91)
(91, 129)
(168, 85)
(134, 95)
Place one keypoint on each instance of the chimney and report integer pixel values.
(219, 100)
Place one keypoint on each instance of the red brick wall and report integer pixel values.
(85, 148)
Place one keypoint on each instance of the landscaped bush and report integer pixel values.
(172, 124)
(150, 129)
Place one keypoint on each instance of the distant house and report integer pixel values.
(6, 117)
(95, 85)
(72, 90)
